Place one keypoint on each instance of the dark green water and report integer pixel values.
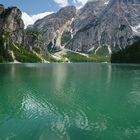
(69, 102)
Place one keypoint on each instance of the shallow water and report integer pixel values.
(88, 101)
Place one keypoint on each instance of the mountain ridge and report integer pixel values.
(98, 29)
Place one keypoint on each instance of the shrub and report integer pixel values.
(25, 55)
(74, 57)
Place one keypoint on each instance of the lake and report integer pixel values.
(83, 101)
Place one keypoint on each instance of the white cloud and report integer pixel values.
(61, 3)
(80, 3)
(77, 3)
(106, 2)
(29, 20)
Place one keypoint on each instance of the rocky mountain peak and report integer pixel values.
(15, 42)
(12, 19)
(88, 13)
(66, 12)
(11, 23)
(1, 8)
(115, 27)
(53, 26)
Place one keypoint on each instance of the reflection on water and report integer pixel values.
(69, 102)
(59, 73)
(134, 95)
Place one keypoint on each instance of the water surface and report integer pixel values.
(69, 102)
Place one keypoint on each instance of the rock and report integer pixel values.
(52, 27)
(89, 13)
(1, 8)
(14, 39)
(115, 27)
(33, 40)
(12, 24)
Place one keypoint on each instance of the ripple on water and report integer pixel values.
(134, 98)
(131, 132)
(81, 120)
(64, 102)
(33, 107)
(134, 95)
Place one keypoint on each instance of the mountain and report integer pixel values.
(17, 44)
(93, 33)
(88, 13)
(115, 27)
(11, 23)
(101, 26)
(53, 26)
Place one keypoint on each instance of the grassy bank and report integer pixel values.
(75, 57)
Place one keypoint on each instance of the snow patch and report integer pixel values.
(136, 29)
(106, 3)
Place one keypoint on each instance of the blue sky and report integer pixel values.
(32, 10)
(33, 7)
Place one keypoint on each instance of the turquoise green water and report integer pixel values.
(69, 102)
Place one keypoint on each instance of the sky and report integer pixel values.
(33, 7)
(36, 9)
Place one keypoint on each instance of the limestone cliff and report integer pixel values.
(89, 13)
(53, 26)
(115, 27)
(11, 23)
(15, 43)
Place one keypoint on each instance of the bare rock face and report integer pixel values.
(53, 26)
(1, 19)
(13, 37)
(89, 13)
(115, 27)
(11, 31)
(11, 23)
(1, 8)
(34, 41)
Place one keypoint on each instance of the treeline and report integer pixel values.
(130, 54)
(75, 57)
